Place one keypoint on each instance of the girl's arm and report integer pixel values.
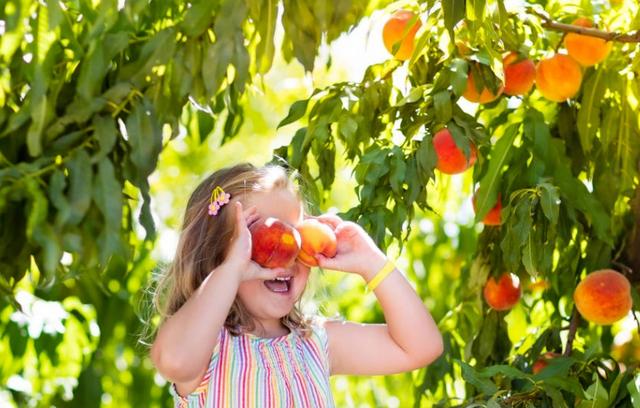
(410, 338)
(185, 341)
(182, 349)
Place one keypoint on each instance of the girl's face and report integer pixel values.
(264, 304)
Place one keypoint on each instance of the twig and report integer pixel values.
(573, 326)
(560, 42)
(627, 270)
(591, 32)
(635, 317)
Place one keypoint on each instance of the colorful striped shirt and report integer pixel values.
(250, 371)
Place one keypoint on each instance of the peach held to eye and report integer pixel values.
(317, 238)
(274, 244)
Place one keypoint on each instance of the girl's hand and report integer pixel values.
(239, 255)
(356, 251)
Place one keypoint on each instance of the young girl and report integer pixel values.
(232, 334)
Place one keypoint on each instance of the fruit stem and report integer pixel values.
(591, 32)
(560, 42)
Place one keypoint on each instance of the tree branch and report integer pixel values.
(575, 319)
(632, 254)
(591, 32)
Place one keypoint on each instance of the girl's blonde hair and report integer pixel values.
(204, 242)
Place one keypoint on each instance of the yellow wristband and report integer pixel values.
(384, 272)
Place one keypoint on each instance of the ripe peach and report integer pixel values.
(395, 31)
(274, 243)
(558, 78)
(585, 49)
(451, 159)
(519, 74)
(543, 361)
(493, 216)
(603, 296)
(503, 294)
(317, 238)
(472, 95)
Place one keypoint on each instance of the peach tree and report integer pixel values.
(533, 104)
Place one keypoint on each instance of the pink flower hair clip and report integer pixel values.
(217, 200)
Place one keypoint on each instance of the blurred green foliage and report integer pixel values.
(111, 112)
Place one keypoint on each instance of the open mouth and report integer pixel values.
(279, 285)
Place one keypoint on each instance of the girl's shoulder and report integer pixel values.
(317, 329)
(316, 325)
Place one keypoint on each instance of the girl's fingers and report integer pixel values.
(250, 211)
(251, 219)
(239, 214)
(328, 263)
(347, 229)
(240, 220)
(330, 219)
(268, 273)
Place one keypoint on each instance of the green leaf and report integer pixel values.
(453, 11)
(558, 368)
(530, 252)
(296, 111)
(537, 132)
(49, 257)
(206, 123)
(460, 137)
(550, 201)
(145, 138)
(519, 226)
(145, 218)
(38, 117)
(348, 127)
(596, 395)
(57, 184)
(633, 387)
(478, 6)
(155, 52)
(565, 382)
(98, 62)
(398, 170)
(297, 43)
(555, 395)
(509, 35)
(589, 113)
(459, 68)
(18, 338)
(198, 18)
(80, 182)
(484, 342)
(216, 59)
(107, 194)
(264, 15)
(299, 148)
(442, 105)
(490, 183)
(505, 370)
(426, 158)
(414, 95)
(574, 193)
(471, 376)
(106, 134)
(38, 205)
